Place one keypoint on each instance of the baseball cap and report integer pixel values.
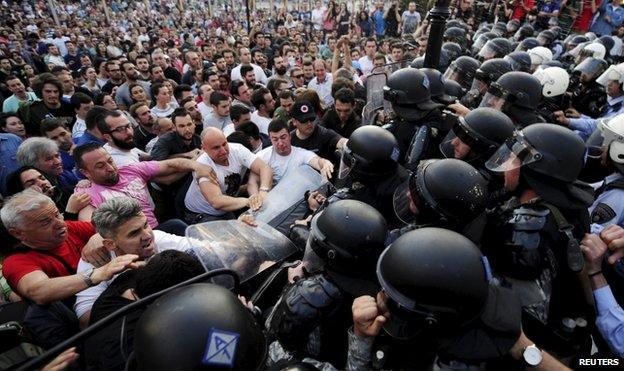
(303, 111)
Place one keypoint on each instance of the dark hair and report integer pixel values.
(216, 98)
(101, 120)
(257, 97)
(80, 151)
(277, 125)
(46, 78)
(234, 86)
(276, 81)
(250, 129)
(135, 106)
(237, 110)
(244, 70)
(241, 138)
(178, 90)
(286, 94)
(155, 89)
(52, 123)
(11, 77)
(4, 117)
(207, 73)
(340, 83)
(178, 112)
(79, 99)
(14, 183)
(93, 117)
(164, 270)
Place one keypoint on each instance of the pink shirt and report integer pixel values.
(133, 180)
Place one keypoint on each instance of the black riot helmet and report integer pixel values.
(418, 62)
(408, 91)
(454, 23)
(445, 60)
(348, 235)
(495, 48)
(453, 89)
(483, 130)
(576, 40)
(489, 72)
(527, 44)
(481, 41)
(436, 81)
(462, 70)
(514, 89)
(434, 279)
(446, 192)
(519, 61)
(199, 327)
(590, 68)
(550, 150)
(456, 35)
(454, 50)
(546, 37)
(371, 153)
(524, 32)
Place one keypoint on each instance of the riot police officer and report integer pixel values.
(533, 239)
(588, 96)
(555, 82)
(462, 70)
(436, 81)
(519, 61)
(517, 94)
(446, 193)
(312, 315)
(495, 48)
(408, 90)
(486, 74)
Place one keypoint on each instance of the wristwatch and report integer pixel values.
(264, 189)
(86, 276)
(532, 355)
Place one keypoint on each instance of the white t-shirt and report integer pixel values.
(261, 77)
(282, 164)
(228, 129)
(366, 65)
(205, 109)
(317, 18)
(123, 158)
(79, 128)
(261, 122)
(85, 298)
(229, 177)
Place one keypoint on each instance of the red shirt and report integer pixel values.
(18, 265)
(519, 12)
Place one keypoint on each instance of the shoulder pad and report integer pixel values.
(529, 219)
(315, 291)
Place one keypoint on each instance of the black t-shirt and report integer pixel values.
(331, 121)
(142, 137)
(108, 87)
(105, 350)
(171, 144)
(322, 142)
(173, 74)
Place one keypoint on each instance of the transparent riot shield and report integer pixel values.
(374, 97)
(235, 245)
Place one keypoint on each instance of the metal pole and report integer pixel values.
(52, 8)
(437, 20)
(248, 16)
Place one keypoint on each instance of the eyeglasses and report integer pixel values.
(120, 129)
(298, 76)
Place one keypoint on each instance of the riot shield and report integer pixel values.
(235, 245)
(282, 201)
(374, 97)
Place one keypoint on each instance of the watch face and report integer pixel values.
(532, 356)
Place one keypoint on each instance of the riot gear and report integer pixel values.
(413, 273)
(371, 152)
(613, 138)
(453, 89)
(591, 68)
(418, 62)
(436, 81)
(517, 89)
(500, 29)
(456, 35)
(546, 37)
(454, 50)
(483, 130)
(487, 73)
(512, 26)
(527, 44)
(408, 91)
(519, 61)
(186, 328)
(574, 41)
(481, 41)
(554, 80)
(524, 32)
(539, 55)
(595, 49)
(613, 73)
(608, 43)
(588, 96)
(495, 48)
(462, 70)
(590, 36)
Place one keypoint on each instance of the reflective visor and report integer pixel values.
(347, 162)
(514, 153)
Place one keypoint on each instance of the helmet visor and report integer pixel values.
(514, 153)
(478, 85)
(347, 162)
(458, 142)
(613, 73)
(592, 67)
(492, 101)
(489, 51)
(401, 201)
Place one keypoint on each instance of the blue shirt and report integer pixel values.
(380, 23)
(608, 208)
(87, 138)
(8, 156)
(585, 125)
(603, 27)
(610, 320)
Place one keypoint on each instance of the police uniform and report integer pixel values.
(608, 208)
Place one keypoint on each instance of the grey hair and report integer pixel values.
(113, 213)
(343, 72)
(32, 149)
(16, 205)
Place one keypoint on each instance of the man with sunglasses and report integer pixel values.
(308, 135)
(297, 78)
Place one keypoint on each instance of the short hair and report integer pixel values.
(397, 45)
(237, 110)
(52, 123)
(136, 106)
(345, 95)
(178, 90)
(99, 98)
(80, 151)
(277, 125)
(245, 69)
(273, 83)
(15, 206)
(101, 120)
(79, 99)
(114, 213)
(11, 76)
(14, 180)
(340, 83)
(31, 149)
(43, 79)
(178, 112)
(240, 138)
(94, 116)
(4, 118)
(308, 63)
(379, 56)
(155, 89)
(164, 270)
(370, 39)
(250, 129)
(257, 97)
(209, 72)
(234, 85)
(217, 97)
(217, 56)
(287, 94)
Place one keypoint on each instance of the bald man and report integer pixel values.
(206, 201)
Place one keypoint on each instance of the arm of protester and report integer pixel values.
(253, 184)
(62, 361)
(94, 252)
(173, 169)
(86, 213)
(41, 289)
(323, 166)
(212, 193)
(77, 201)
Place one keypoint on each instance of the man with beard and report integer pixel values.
(108, 181)
(118, 133)
(50, 90)
(192, 109)
(144, 68)
(182, 142)
(146, 120)
(122, 97)
(280, 69)
(245, 59)
(221, 62)
(265, 105)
